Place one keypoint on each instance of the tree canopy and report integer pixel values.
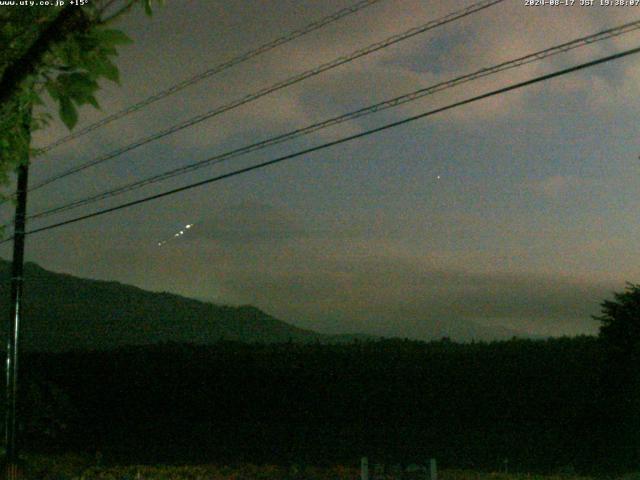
(620, 320)
(62, 52)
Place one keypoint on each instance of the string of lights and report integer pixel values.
(451, 17)
(394, 102)
(316, 25)
(323, 146)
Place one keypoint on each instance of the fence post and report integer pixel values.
(364, 468)
(433, 469)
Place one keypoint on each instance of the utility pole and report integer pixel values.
(17, 281)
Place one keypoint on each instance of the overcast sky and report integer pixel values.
(517, 212)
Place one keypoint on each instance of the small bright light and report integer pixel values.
(438, 177)
(189, 226)
(177, 235)
(181, 232)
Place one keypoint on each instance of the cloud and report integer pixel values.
(250, 222)
(340, 279)
(390, 296)
(556, 186)
(349, 280)
(483, 39)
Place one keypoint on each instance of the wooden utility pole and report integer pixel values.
(17, 282)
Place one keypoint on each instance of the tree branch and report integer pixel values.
(119, 13)
(70, 20)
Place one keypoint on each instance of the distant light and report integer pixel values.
(438, 177)
(177, 235)
(189, 226)
(181, 232)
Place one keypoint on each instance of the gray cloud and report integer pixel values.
(349, 281)
(393, 296)
(250, 222)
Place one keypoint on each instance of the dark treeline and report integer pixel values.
(543, 405)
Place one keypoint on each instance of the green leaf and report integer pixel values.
(53, 89)
(147, 7)
(109, 71)
(93, 102)
(68, 112)
(77, 85)
(105, 51)
(89, 42)
(111, 37)
(37, 100)
(102, 66)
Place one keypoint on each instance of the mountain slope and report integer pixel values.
(63, 312)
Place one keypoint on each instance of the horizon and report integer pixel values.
(473, 336)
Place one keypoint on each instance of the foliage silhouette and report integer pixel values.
(619, 404)
(62, 51)
(620, 321)
(396, 401)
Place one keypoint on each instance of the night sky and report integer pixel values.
(517, 212)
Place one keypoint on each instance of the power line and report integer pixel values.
(213, 71)
(275, 87)
(341, 140)
(400, 100)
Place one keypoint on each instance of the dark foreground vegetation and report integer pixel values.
(546, 406)
(74, 467)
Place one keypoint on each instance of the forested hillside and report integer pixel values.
(536, 403)
(63, 312)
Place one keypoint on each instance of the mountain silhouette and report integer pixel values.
(63, 312)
